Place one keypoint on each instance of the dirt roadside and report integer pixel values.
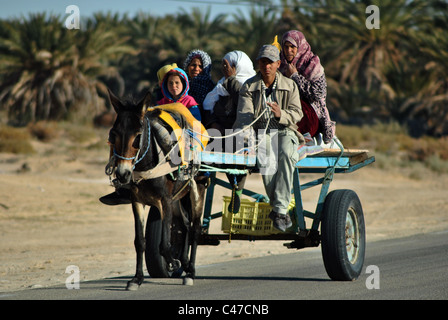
(50, 216)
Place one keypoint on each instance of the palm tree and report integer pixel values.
(249, 34)
(36, 59)
(102, 45)
(195, 30)
(200, 30)
(140, 69)
(355, 57)
(415, 90)
(431, 65)
(50, 72)
(361, 53)
(300, 15)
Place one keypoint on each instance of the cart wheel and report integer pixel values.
(343, 235)
(155, 262)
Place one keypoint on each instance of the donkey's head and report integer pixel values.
(125, 134)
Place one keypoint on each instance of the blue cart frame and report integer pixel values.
(329, 162)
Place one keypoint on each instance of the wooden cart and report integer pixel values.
(338, 221)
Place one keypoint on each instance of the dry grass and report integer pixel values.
(391, 145)
(63, 134)
(15, 140)
(79, 134)
(44, 131)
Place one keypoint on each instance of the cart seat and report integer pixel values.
(348, 160)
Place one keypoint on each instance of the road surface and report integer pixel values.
(408, 268)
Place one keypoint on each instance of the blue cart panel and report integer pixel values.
(327, 163)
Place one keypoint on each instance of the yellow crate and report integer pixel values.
(253, 219)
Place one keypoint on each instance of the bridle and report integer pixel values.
(161, 166)
(136, 158)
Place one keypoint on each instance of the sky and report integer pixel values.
(17, 8)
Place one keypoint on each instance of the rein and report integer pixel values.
(162, 168)
(149, 174)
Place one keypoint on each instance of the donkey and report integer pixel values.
(135, 149)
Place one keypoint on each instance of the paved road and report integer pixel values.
(409, 268)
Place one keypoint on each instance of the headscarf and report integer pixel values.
(163, 71)
(244, 69)
(306, 62)
(205, 58)
(184, 98)
(308, 65)
(203, 83)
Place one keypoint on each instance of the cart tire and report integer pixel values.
(155, 262)
(343, 235)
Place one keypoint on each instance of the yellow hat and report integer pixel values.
(164, 70)
(275, 43)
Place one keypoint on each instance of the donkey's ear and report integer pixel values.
(145, 102)
(116, 103)
(153, 113)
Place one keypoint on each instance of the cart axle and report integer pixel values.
(309, 238)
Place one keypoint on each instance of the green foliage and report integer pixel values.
(48, 72)
(398, 72)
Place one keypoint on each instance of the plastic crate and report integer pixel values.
(253, 219)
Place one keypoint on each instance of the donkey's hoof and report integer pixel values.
(132, 286)
(188, 281)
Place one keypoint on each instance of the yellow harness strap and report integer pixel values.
(184, 112)
(193, 123)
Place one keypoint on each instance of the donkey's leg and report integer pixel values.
(165, 246)
(195, 230)
(183, 217)
(182, 249)
(139, 243)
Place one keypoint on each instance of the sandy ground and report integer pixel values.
(50, 216)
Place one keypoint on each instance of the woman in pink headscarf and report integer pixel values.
(300, 64)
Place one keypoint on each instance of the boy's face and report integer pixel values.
(175, 86)
(267, 67)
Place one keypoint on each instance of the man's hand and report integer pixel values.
(275, 108)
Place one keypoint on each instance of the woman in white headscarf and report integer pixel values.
(220, 107)
(221, 103)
